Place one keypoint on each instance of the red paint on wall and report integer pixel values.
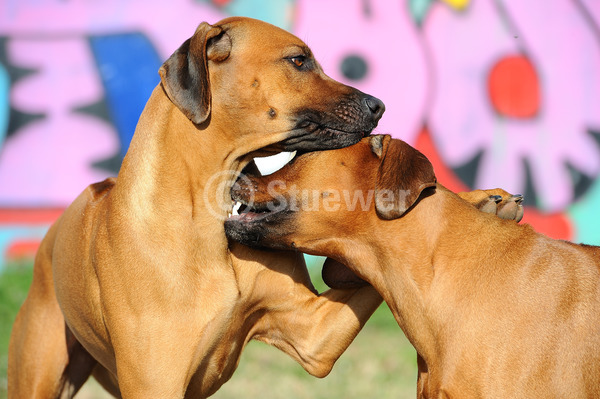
(514, 87)
(22, 249)
(444, 175)
(29, 216)
(554, 225)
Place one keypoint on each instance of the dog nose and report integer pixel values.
(376, 107)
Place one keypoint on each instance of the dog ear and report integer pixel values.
(184, 75)
(403, 174)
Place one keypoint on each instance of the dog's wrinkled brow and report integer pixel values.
(297, 49)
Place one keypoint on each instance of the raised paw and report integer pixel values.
(496, 201)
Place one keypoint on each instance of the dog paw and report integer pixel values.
(497, 202)
(339, 276)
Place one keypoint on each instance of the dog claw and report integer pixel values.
(518, 198)
(496, 198)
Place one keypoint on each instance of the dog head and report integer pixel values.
(262, 87)
(328, 195)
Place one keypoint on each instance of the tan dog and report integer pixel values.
(135, 282)
(494, 309)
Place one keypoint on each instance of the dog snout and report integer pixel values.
(375, 106)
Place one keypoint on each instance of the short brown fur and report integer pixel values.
(494, 309)
(136, 283)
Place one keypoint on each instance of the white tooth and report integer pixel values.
(292, 155)
(236, 208)
(271, 164)
(228, 215)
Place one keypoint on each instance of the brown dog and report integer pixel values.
(494, 309)
(135, 282)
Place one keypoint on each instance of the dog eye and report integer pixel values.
(299, 61)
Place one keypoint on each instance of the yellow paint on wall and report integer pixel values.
(458, 4)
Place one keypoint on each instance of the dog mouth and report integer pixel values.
(309, 135)
(247, 210)
(252, 222)
(312, 131)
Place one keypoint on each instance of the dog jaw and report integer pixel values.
(350, 119)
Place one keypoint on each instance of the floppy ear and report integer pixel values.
(403, 174)
(184, 75)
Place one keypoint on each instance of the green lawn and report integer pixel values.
(14, 283)
(380, 363)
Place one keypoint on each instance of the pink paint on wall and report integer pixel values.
(49, 161)
(64, 143)
(561, 47)
(167, 24)
(383, 34)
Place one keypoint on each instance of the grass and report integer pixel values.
(380, 363)
(14, 283)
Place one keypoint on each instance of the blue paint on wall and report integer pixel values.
(4, 102)
(128, 65)
(586, 217)
(11, 233)
(278, 13)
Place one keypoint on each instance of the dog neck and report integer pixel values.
(178, 169)
(438, 247)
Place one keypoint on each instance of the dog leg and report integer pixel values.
(154, 371)
(106, 380)
(314, 329)
(45, 360)
(329, 323)
(151, 363)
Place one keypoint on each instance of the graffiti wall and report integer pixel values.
(496, 92)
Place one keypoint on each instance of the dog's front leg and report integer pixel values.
(316, 330)
(45, 360)
(313, 329)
